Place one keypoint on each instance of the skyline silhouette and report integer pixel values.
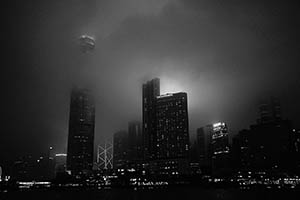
(227, 57)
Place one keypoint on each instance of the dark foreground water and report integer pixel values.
(192, 193)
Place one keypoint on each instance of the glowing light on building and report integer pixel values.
(218, 124)
(60, 154)
(87, 43)
(165, 95)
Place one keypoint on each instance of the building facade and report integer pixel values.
(151, 90)
(120, 150)
(270, 144)
(172, 134)
(165, 131)
(60, 164)
(81, 132)
(269, 111)
(135, 142)
(220, 149)
(267, 147)
(204, 148)
(172, 126)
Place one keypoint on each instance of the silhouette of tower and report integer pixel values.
(82, 118)
(269, 111)
(220, 149)
(204, 148)
(120, 146)
(151, 90)
(135, 142)
(0, 173)
(81, 132)
(172, 135)
(172, 126)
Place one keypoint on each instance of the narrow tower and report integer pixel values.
(81, 132)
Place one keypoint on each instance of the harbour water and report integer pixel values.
(172, 193)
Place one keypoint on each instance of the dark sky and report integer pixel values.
(227, 55)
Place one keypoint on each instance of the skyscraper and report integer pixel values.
(204, 148)
(172, 135)
(267, 147)
(269, 111)
(220, 149)
(120, 145)
(151, 90)
(241, 150)
(172, 126)
(135, 142)
(60, 164)
(81, 132)
(296, 149)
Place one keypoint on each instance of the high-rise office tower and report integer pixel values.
(135, 142)
(81, 132)
(120, 149)
(172, 135)
(172, 126)
(267, 147)
(22, 169)
(269, 111)
(296, 149)
(60, 163)
(165, 130)
(240, 150)
(151, 90)
(220, 149)
(50, 171)
(204, 148)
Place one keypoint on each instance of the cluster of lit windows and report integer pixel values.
(219, 135)
(219, 126)
(221, 152)
(83, 139)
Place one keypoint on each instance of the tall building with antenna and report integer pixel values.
(80, 148)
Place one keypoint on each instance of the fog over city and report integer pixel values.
(227, 57)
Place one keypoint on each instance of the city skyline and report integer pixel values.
(150, 99)
(225, 56)
(159, 151)
(261, 113)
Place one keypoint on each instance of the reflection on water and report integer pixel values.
(155, 194)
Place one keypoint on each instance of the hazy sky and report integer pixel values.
(227, 55)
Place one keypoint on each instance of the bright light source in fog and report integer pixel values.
(169, 85)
